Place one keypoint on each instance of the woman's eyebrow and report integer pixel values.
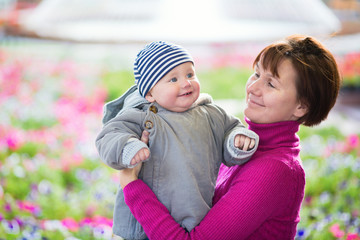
(269, 73)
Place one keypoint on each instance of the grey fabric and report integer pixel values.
(186, 152)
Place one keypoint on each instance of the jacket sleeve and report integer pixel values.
(230, 127)
(122, 131)
(233, 155)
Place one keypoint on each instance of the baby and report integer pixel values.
(189, 137)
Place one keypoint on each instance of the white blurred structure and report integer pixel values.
(178, 20)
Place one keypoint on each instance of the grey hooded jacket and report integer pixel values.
(186, 149)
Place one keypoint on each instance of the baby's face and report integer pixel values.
(177, 90)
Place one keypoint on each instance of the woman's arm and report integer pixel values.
(252, 198)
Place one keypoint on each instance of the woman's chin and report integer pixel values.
(249, 114)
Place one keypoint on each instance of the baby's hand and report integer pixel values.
(243, 142)
(140, 156)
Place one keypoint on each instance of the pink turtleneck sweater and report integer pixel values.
(258, 200)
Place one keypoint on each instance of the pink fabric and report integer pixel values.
(258, 200)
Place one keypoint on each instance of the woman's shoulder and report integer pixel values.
(274, 167)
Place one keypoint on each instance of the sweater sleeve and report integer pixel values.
(252, 198)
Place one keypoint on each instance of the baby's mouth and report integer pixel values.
(186, 94)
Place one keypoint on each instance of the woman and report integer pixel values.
(296, 81)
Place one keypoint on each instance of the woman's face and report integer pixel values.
(271, 99)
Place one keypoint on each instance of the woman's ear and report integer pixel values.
(149, 97)
(300, 110)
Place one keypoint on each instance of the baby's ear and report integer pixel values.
(149, 97)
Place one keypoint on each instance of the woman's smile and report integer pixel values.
(253, 101)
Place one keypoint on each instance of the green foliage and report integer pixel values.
(17, 187)
(117, 82)
(30, 149)
(325, 132)
(224, 83)
(33, 124)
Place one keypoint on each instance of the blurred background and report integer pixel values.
(60, 61)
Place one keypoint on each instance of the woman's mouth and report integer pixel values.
(252, 102)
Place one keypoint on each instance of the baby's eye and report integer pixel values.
(190, 75)
(173, 80)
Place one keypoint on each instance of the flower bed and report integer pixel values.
(350, 68)
(53, 185)
(330, 209)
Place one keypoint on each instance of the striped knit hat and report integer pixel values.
(155, 61)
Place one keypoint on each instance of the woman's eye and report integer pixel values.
(256, 75)
(271, 85)
(173, 80)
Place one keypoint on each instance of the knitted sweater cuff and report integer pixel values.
(236, 155)
(130, 150)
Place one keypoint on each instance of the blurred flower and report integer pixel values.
(70, 224)
(324, 197)
(7, 207)
(300, 233)
(353, 140)
(353, 236)
(10, 79)
(350, 68)
(96, 221)
(336, 231)
(29, 207)
(102, 232)
(13, 139)
(52, 225)
(45, 187)
(11, 227)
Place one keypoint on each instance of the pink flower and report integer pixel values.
(70, 224)
(336, 231)
(68, 161)
(353, 236)
(86, 221)
(13, 139)
(28, 207)
(351, 65)
(10, 79)
(353, 140)
(100, 220)
(97, 221)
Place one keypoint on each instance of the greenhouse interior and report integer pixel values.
(61, 61)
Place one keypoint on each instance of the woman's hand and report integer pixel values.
(128, 175)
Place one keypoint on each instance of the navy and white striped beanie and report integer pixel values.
(155, 61)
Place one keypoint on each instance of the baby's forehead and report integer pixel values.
(183, 67)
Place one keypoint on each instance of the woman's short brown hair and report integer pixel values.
(318, 81)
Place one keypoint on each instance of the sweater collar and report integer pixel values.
(278, 134)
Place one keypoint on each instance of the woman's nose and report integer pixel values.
(253, 85)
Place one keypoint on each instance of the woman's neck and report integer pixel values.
(276, 134)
